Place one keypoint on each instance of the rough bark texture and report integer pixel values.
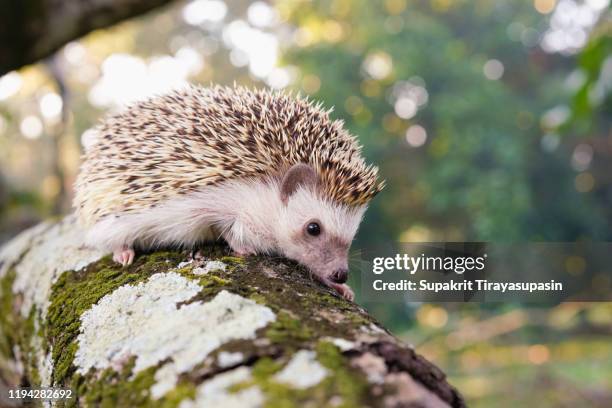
(168, 331)
(34, 29)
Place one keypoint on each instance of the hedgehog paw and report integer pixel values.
(344, 290)
(124, 256)
(243, 251)
(197, 255)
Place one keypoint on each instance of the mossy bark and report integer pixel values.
(307, 346)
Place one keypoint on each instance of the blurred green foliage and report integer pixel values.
(482, 174)
(591, 106)
(486, 173)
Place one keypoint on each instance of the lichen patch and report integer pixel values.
(210, 266)
(44, 362)
(226, 359)
(184, 264)
(216, 392)
(145, 321)
(302, 371)
(53, 251)
(342, 344)
(15, 248)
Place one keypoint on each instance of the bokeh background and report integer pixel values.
(490, 119)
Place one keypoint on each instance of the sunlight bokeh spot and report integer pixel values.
(378, 65)
(260, 14)
(582, 157)
(279, 78)
(201, 11)
(544, 6)
(74, 52)
(416, 135)
(31, 127)
(9, 85)
(51, 105)
(416, 233)
(127, 78)
(259, 47)
(570, 24)
(333, 31)
(493, 69)
(190, 58)
(405, 108)
(432, 316)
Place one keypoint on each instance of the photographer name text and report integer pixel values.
(466, 285)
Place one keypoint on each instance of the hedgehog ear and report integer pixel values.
(298, 175)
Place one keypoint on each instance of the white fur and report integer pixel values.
(248, 213)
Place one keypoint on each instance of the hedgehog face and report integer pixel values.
(315, 231)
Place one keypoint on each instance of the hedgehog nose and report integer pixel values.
(339, 275)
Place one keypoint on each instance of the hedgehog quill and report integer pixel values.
(267, 172)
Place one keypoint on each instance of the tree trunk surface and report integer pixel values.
(33, 29)
(170, 331)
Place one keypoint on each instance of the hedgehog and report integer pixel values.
(268, 172)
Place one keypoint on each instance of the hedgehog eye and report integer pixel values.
(313, 228)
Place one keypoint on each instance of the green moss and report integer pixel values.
(359, 319)
(265, 368)
(121, 389)
(213, 280)
(276, 395)
(288, 330)
(8, 321)
(63, 361)
(17, 331)
(76, 291)
(343, 386)
(233, 260)
(180, 392)
(26, 331)
(114, 389)
(345, 381)
(259, 298)
(162, 257)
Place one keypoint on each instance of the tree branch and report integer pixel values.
(215, 332)
(33, 29)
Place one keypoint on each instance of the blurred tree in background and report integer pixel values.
(490, 120)
(449, 96)
(491, 123)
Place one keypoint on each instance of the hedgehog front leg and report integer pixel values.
(240, 239)
(124, 255)
(344, 290)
